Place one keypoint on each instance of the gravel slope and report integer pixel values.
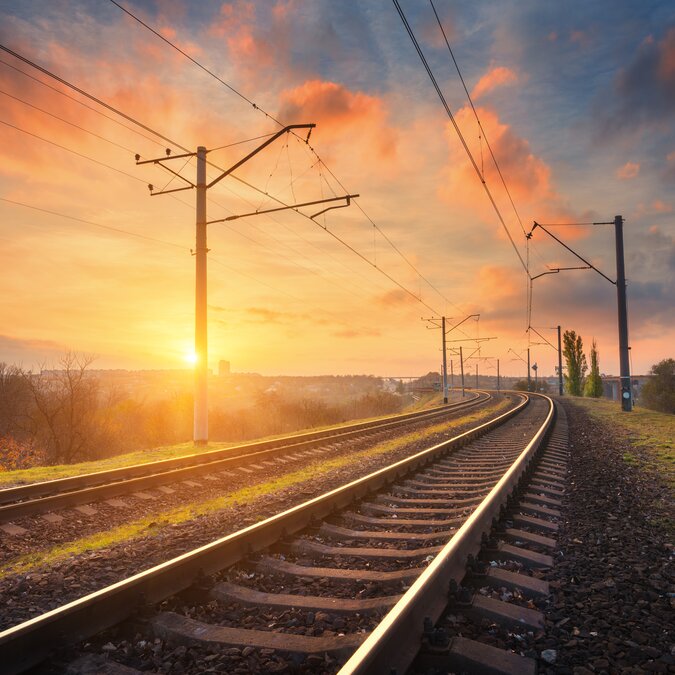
(611, 609)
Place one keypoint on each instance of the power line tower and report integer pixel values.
(620, 283)
(201, 414)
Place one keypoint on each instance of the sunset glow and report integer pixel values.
(576, 102)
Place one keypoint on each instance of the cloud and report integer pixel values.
(628, 170)
(358, 119)
(644, 91)
(395, 298)
(495, 77)
(355, 333)
(656, 207)
(527, 176)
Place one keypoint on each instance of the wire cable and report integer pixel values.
(278, 122)
(448, 111)
(93, 224)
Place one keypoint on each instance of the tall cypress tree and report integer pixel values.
(573, 351)
(593, 386)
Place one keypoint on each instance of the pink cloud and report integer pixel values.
(628, 170)
(495, 77)
(340, 114)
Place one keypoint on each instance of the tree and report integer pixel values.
(66, 405)
(593, 386)
(659, 392)
(573, 351)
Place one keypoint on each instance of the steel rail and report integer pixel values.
(205, 460)
(30, 642)
(395, 642)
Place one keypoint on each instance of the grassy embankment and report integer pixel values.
(153, 524)
(650, 433)
(45, 473)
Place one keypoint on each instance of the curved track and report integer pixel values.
(392, 537)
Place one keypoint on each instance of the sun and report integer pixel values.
(191, 358)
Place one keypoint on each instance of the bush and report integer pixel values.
(659, 392)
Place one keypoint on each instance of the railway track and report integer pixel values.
(363, 570)
(47, 496)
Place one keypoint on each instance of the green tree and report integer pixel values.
(575, 360)
(659, 392)
(593, 386)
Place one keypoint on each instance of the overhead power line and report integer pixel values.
(278, 122)
(450, 115)
(176, 144)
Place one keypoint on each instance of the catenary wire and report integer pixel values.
(180, 146)
(274, 119)
(444, 102)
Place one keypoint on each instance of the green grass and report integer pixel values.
(153, 524)
(648, 431)
(44, 473)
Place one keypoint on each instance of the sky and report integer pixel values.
(575, 100)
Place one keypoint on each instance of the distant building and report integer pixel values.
(223, 368)
(611, 386)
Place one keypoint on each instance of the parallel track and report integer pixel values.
(402, 528)
(42, 497)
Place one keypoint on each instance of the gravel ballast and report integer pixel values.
(611, 604)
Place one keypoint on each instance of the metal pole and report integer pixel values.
(560, 373)
(529, 379)
(461, 363)
(201, 414)
(476, 376)
(497, 375)
(624, 362)
(445, 364)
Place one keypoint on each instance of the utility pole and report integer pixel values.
(461, 363)
(201, 414)
(497, 375)
(201, 406)
(560, 372)
(624, 362)
(445, 364)
(476, 374)
(529, 378)
(622, 309)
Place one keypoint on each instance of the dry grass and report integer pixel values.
(647, 430)
(307, 475)
(45, 473)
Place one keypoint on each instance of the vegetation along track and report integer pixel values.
(344, 568)
(47, 496)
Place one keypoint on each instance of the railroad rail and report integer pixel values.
(465, 481)
(45, 496)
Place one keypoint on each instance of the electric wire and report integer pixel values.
(178, 145)
(448, 111)
(61, 119)
(74, 152)
(81, 103)
(482, 134)
(278, 122)
(118, 230)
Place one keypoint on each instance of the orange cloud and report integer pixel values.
(341, 114)
(495, 77)
(527, 176)
(666, 66)
(628, 170)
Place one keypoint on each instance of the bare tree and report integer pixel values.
(66, 405)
